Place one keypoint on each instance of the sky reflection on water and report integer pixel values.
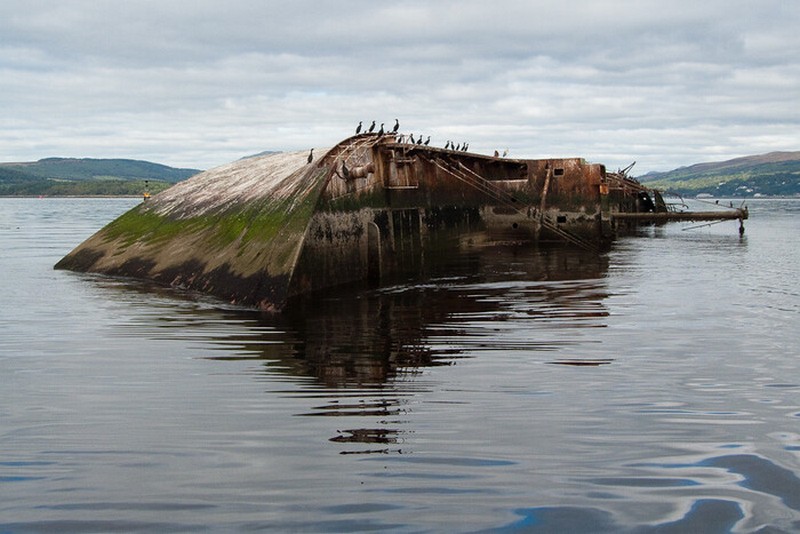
(650, 389)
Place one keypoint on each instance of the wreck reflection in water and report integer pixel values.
(358, 350)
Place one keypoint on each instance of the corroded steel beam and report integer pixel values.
(736, 214)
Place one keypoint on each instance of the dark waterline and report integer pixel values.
(653, 388)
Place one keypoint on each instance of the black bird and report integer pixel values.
(371, 127)
(465, 147)
(358, 128)
(419, 141)
(380, 132)
(457, 148)
(311, 156)
(396, 126)
(447, 145)
(428, 140)
(411, 136)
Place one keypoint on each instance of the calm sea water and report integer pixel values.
(654, 388)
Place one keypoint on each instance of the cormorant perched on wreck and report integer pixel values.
(358, 128)
(419, 141)
(427, 141)
(380, 132)
(396, 126)
(447, 145)
(371, 127)
(311, 156)
(411, 137)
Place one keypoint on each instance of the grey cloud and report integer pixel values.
(201, 83)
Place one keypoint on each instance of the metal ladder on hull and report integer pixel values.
(506, 199)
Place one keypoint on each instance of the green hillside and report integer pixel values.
(773, 174)
(70, 176)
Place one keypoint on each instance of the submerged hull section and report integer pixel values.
(234, 232)
(396, 210)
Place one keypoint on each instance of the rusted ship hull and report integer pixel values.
(260, 231)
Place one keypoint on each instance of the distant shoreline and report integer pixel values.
(70, 196)
(686, 197)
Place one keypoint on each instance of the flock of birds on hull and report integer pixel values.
(410, 138)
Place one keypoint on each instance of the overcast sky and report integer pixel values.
(201, 83)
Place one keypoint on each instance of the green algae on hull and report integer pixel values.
(205, 237)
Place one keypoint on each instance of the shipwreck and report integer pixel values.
(259, 231)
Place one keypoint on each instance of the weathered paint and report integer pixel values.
(262, 230)
(235, 231)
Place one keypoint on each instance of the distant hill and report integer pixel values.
(773, 174)
(86, 176)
